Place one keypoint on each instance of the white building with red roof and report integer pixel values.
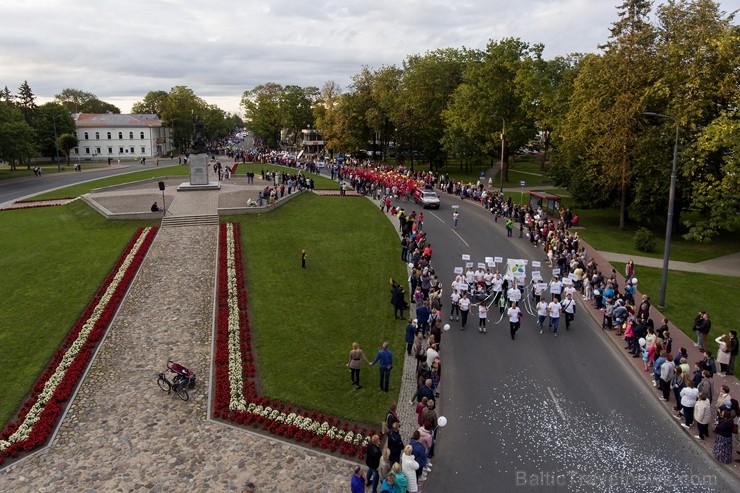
(108, 135)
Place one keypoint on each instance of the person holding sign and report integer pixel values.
(556, 288)
(541, 314)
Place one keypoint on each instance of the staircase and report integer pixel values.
(190, 220)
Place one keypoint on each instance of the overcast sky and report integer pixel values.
(120, 50)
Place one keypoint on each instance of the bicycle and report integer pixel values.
(183, 379)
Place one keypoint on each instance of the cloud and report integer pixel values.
(122, 50)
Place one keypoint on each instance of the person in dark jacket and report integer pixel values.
(395, 443)
(385, 357)
(411, 330)
(372, 460)
(723, 438)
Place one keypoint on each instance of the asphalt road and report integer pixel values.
(545, 413)
(19, 188)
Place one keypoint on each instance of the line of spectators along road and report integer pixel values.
(693, 390)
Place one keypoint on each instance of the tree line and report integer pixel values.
(28, 130)
(586, 111)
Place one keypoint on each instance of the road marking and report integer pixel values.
(461, 238)
(557, 406)
(443, 221)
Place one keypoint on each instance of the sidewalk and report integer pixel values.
(728, 265)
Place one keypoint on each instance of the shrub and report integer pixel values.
(644, 240)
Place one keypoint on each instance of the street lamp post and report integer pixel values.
(503, 139)
(671, 201)
(56, 149)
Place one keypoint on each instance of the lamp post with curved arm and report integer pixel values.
(671, 201)
(503, 138)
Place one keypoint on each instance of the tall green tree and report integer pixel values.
(488, 99)
(427, 85)
(698, 50)
(50, 121)
(17, 138)
(604, 121)
(328, 117)
(25, 100)
(296, 106)
(262, 112)
(153, 103)
(78, 101)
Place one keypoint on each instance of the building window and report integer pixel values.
(109, 136)
(143, 150)
(77, 150)
(120, 135)
(142, 135)
(87, 150)
(97, 150)
(132, 149)
(86, 137)
(110, 149)
(131, 136)
(120, 150)
(97, 135)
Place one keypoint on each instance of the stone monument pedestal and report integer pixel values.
(199, 175)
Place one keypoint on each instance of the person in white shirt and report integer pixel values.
(541, 314)
(554, 309)
(556, 288)
(569, 308)
(454, 305)
(515, 316)
(464, 307)
(470, 276)
(498, 286)
(482, 315)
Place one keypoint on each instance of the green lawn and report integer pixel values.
(601, 232)
(305, 321)
(54, 259)
(689, 292)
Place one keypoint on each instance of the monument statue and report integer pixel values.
(198, 145)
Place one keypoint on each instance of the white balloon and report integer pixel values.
(441, 421)
(642, 341)
(446, 327)
(634, 280)
(411, 265)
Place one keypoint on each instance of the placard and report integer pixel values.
(469, 265)
(541, 286)
(572, 276)
(536, 274)
(458, 270)
(489, 260)
(514, 294)
(465, 256)
(556, 272)
(498, 260)
(481, 265)
(536, 263)
(568, 281)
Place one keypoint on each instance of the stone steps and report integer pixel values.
(193, 220)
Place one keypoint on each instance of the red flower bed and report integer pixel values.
(49, 416)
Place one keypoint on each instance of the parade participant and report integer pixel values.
(482, 315)
(514, 314)
(464, 308)
(553, 310)
(541, 314)
(569, 308)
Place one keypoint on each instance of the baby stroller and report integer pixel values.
(184, 379)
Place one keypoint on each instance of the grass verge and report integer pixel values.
(689, 292)
(305, 320)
